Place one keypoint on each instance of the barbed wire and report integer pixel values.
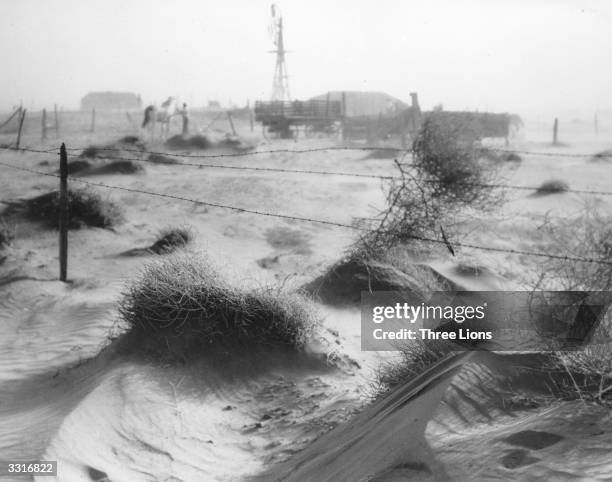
(530, 188)
(325, 173)
(251, 152)
(550, 154)
(29, 149)
(349, 174)
(249, 168)
(313, 220)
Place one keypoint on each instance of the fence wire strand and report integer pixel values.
(301, 171)
(312, 220)
(251, 152)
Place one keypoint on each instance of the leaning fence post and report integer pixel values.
(555, 131)
(229, 117)
(63, 213)
(23, 113)
(93, 119)
(44, 124)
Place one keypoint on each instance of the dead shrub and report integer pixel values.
(116, 167)
(182, 301)
(90, 152)
(602, 156)
(161, 159)
(85, 168)
(448, 160)
(553, 186)
(393, 270)
(585, 236)
(85, 208)
(7, 233)
(133, 141)
(178, 142)
(123, 147)
(584, 373)
(172, 238)
(78, 166)
(447, 175)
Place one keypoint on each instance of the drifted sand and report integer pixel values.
(279, 417)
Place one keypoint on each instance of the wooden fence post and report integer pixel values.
(555, 131)
(185, 121)
(44, 124)
(23, 114)
(402, 129)
(229, 117)
(63, 214)
(251, 119)
(93, 119)
(56, 121)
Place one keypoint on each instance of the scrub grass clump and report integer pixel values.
(415, 358)
(85, 208)
(7, 233)
(182, 301)
(553, 186)
(172, 238)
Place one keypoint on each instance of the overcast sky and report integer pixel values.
(533, 57)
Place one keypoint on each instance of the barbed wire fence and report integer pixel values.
(311, 171)
(64, 178)
(251, 152)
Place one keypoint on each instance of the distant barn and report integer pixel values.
(111, 101)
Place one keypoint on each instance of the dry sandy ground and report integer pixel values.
(235, 420)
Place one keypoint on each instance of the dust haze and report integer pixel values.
(211, 214)
(534, 58)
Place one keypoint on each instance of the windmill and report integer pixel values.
(280, 89)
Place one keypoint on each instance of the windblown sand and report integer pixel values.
(66, 394)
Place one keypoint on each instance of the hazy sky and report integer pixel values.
(534, 57)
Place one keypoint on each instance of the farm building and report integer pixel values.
(376, 116)
(359, 113)
(359, 104)
(111, 101)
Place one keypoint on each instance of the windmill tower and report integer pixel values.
(280, 88)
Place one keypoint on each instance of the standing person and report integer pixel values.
(185, 116)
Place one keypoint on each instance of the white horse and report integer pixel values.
(153, 115)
